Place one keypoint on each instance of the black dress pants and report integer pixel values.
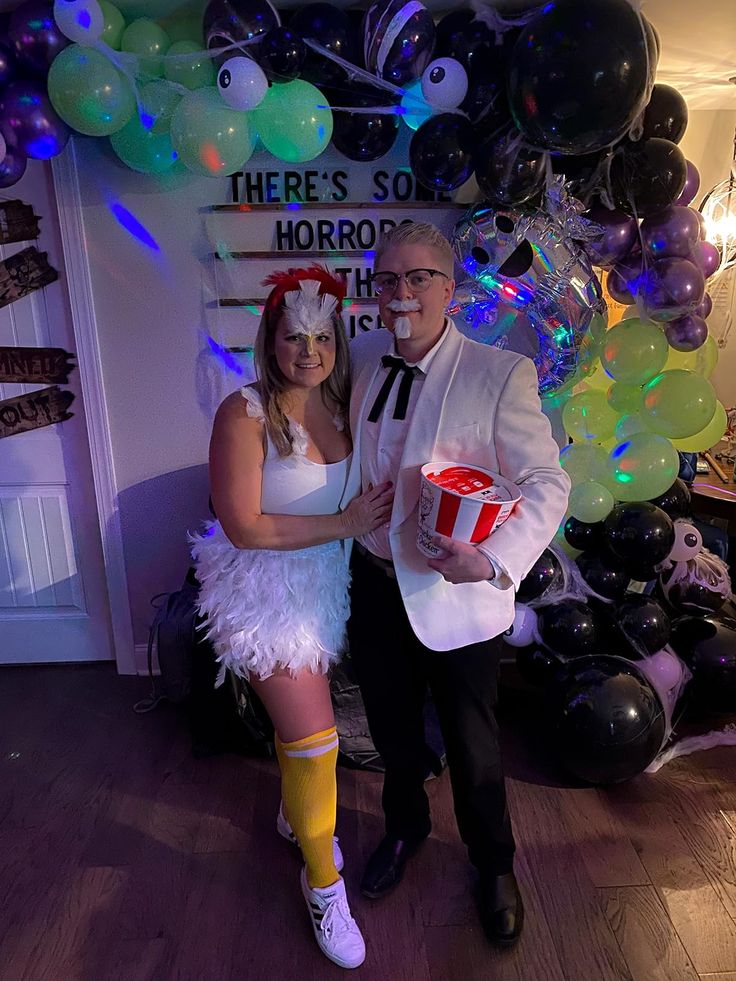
(394, 670)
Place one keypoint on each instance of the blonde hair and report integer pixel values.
(335, 389)
(417, 233)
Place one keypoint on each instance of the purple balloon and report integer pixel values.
(707, 258)
(616, 286)
(12, 168)
(692, 183)
(704, 308)
(687, 333)
(617, 238)
(7, 66)
(28, 121)
(673, 231)
(701, 222)
(671, 288)
(34, 36)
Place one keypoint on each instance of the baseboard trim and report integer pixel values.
(140, 659)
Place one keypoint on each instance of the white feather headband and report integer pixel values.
(306, 311)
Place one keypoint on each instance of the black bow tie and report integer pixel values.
(396, 366)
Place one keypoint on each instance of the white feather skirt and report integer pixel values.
(266, 610)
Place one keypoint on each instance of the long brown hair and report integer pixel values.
(335, 389)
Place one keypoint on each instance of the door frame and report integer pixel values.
(65, 173)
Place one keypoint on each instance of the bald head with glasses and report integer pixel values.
(413, 281)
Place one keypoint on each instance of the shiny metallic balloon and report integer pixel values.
(524, 273)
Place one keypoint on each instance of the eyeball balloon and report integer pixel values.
(80, 20)
(242, 83)
(523, 631)
(688, 542)
(444, 83)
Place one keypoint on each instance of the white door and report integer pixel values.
(53, 595)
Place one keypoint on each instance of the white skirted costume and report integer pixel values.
(266, 609)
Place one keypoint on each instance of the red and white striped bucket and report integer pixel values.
(461, 502)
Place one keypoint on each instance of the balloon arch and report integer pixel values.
(584, 199)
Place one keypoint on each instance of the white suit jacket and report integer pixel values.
(478, 405)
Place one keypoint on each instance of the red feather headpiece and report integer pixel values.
(285, 282)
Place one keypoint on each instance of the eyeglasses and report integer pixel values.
(418, 280)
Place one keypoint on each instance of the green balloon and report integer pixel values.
(183, 26)
(624, 398)
(588, 416)
(584, 461)
(114, 22)
(158, 100)
(290, 124)
(590, 502)
(211, 139)
(88, 91)
(707, 437)
(143, 149)
(630, 424)
(641, 467)
(634, 351)
(703, 360)
(678, 403)
(150, 42)
(194, 72)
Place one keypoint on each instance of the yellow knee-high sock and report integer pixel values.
(309, 792)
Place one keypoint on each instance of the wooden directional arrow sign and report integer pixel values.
(34, 410)
(23, 273)
(34, 365)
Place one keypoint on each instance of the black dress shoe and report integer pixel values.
(386, 865)
(501, 908)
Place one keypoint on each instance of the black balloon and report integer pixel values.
(508, 172)
(7, 65)
(539, 578)
(227, 21)
(583, 535)
(578, 75)
(666, 114)
(486, 103)
(581, 171)
(604, 574)
(281, 54)
(569, 628)
(675, 501)
(643, 623)
(693, 592)
(607, 720)
(330, 27)
(12, 167)
(708, 647)
(537, 666)
(362, 136)
(648, 176)
(441, 151)
(641, 535)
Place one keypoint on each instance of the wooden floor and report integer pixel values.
(122, 857)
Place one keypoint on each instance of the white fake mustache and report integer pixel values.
(403, 306)
(402, 325)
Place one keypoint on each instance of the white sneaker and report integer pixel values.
(284, 829)
(337, 933)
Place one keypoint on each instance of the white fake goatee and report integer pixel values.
(402, 325)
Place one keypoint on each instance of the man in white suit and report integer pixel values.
(423, 392)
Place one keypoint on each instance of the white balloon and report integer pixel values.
(444, 83)
(3, 148)
(81, 21)
(664, 670)
(688, 542)
(523, 631)
(242, 83)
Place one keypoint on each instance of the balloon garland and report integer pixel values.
(574, 148)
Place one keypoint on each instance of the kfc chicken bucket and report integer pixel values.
(462, 502)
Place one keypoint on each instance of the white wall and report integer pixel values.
(150, 314)
(708, 142)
